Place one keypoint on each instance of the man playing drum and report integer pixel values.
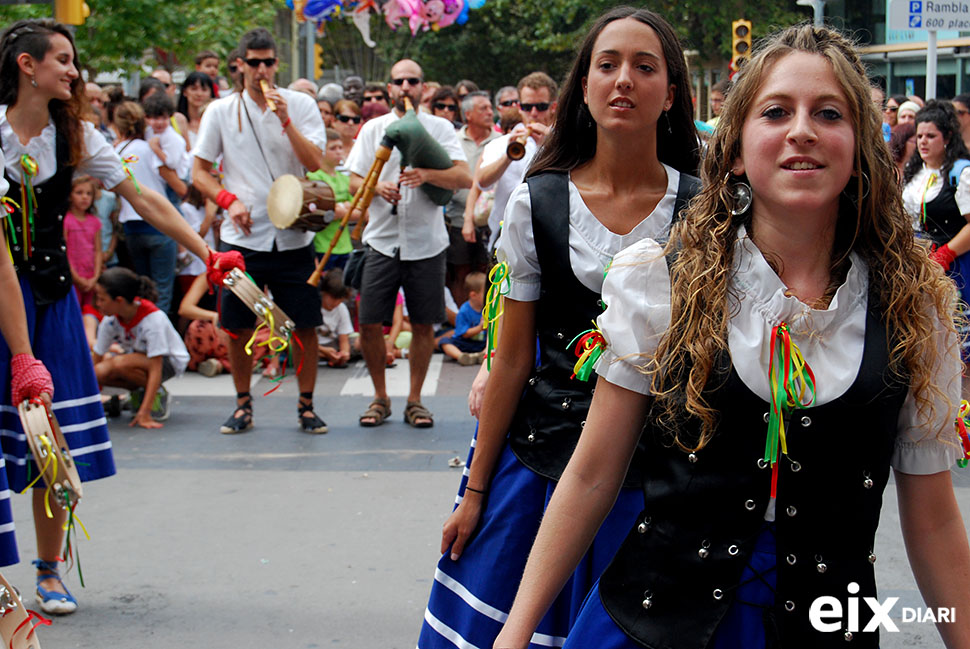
(262, 133)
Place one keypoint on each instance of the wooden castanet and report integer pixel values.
(259, 303)
(60, 474)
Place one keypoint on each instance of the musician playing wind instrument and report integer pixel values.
(406, 241)
(262, 133)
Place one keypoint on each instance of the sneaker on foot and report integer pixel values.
(133, 402)
(161, 405)
(466, 359)
(210, 367)
(112, 407)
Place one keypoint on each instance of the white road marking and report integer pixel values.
(193, 384)
(397, 378)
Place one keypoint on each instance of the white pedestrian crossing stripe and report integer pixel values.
(398, 379)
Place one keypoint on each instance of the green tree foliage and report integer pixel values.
(506, 39)
(122, 35)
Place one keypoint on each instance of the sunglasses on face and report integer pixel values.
(440, 106)
(254, 63)
(542, 107)
(349, 118)
(411, 80)
(891, 109)
(508, 103)
(373, 98)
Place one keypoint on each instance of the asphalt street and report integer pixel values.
(274, 538)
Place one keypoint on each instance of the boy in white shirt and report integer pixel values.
(333, 336)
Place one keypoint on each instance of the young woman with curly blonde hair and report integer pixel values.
(789, 346)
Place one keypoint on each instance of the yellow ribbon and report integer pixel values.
(275, 342)
(51, 458)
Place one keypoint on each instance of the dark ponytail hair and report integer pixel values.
(121, 282)
(34, 38)
(572, 140)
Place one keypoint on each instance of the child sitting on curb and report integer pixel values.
(467, 343)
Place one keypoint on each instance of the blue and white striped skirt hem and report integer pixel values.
(470, 598)
(57, 338)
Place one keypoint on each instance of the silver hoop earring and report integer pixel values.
(33, 81)
(866, 187)
(741, 193)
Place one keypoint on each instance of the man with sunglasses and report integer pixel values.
(506, 101)
(374, 92)
(537, 103)
(260, 141)
(405, 242)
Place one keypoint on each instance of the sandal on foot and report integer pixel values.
(241, 418)
(312, 424)
(53, 602)
(416, 411)
(378, 410)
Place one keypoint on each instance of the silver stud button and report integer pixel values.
(647, 603)
(806, 422)
(848, 636)
(533, 380)
(821, 568)
(560, 335)
(872, 558)
(692, 458)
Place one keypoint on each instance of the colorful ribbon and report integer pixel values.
(9, 207)
(299, 368)
(961, 425)
(31, 615)
(499, 286)
(792, 387)
(930, 182)
(588, 350)
(70, 526)
(130, 160)
(28, 200)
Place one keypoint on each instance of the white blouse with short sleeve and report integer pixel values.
(928, 180)
(591, 244)
(637, 295)
(99, 161)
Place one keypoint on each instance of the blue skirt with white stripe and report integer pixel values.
(743, 626)
(57, 338)
(470, 598)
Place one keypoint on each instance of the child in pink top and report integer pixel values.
(82, 233)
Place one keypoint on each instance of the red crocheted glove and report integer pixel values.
(28, 378)
(218, 265)
(943, 256)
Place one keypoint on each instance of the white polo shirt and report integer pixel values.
(508, 181)
(226, 130)
(418, 229)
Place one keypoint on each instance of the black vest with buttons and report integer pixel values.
(943, 218)
(47, 269)
(553, 407)
(676, 574)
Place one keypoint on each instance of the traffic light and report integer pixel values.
(740, 43)
(317, 61)
(71, 12)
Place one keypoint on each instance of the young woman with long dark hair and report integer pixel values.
(613, 171)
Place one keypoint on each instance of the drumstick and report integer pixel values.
(265, 88)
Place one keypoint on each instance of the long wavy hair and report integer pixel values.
(911, 292)
(34, 38)
(942, 115)
(573, 138)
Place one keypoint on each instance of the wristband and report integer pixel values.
(478, 491)
(225, 198)
(28, 378)
(286, 123)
